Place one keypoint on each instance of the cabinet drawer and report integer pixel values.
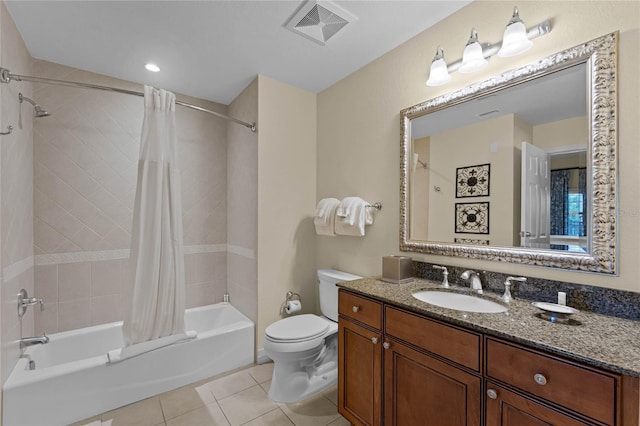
(361, 309)
(457, 345)
(585, 390)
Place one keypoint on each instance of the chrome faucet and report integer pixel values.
(507, 287)
(24, 301)
(36, 340)
(476, 283)
(445, 275)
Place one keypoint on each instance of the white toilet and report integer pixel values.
(304, 348)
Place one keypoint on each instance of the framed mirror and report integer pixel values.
(519, 168)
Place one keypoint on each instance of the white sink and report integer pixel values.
(459, 302)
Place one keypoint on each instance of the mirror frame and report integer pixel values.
(600, 56)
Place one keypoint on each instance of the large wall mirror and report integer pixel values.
(519, 168)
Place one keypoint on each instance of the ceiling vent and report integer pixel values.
(319, 20)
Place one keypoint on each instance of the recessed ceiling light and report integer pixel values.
(152, 67)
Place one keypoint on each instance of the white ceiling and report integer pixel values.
(554, 97)
(214, 49)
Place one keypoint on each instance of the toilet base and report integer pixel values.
(294, 381)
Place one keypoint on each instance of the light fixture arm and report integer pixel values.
(489, 50)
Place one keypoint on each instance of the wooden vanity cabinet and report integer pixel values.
(507, 408)
(420, 388)
(360, 360)
(403, 369)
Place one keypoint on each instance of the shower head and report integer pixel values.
(38, 110)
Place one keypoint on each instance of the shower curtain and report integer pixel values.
(156, 265)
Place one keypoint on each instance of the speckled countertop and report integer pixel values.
(602, 341)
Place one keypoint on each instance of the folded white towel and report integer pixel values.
(126, 352)
(352, 216)
(324, 219)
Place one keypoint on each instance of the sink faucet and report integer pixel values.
(36, 340)
(476, 283)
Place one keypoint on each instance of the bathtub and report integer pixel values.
(72, 381)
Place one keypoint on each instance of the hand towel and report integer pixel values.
(126, 352)
(324, 220)
(352, 216)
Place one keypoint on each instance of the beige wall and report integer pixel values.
(570, 132)
(358, 126)
(85, 168)
(286, 199)
(16, 193)
(471, 146)
(242, 193)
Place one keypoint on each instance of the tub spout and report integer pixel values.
(36, 340)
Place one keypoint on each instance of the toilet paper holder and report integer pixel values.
(289, 297)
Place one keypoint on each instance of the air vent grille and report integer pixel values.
(319, 21)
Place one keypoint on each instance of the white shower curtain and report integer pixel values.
(156, 299)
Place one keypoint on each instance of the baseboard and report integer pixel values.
(262, 357)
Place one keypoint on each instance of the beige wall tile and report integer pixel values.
(74, 314)
(16, 191)
(46, 321)
(46, 284)
(106, 277)
(74, 281)
(106, 309)
(201, 295)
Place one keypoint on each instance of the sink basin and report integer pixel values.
(459, 302)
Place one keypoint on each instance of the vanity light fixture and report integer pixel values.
(516, 40)
(473, 57)
(438, 74)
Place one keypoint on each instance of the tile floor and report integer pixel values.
(237, 398)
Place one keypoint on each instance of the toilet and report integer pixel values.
(304, 348)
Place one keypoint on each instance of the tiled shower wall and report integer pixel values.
(85, 165)
(16, 187)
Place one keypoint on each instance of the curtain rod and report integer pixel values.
(6, 76)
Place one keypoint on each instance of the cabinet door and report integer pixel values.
(506, 408)
(422, 391)
(360, 373)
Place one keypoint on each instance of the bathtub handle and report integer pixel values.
(24, 301)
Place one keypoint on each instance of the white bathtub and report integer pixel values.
(72, 381)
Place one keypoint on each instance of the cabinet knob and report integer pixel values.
(540, 379)
(386, 345)
(355, 308)
(374, 340)
(491, 393)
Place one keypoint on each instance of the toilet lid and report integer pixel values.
(297, 328)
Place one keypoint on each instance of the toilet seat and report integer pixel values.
(300, 328)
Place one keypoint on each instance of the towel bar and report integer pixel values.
(377, 206)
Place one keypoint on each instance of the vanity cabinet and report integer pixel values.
(420, 387)
(360, 360)
(401, 368)
(583, 390)
(507, 408)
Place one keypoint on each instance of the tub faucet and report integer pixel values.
(476, 283)
(36, 340)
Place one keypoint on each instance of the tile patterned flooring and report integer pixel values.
(237, 398)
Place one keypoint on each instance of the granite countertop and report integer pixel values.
(602, 341)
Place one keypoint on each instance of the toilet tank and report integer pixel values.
(327, 280)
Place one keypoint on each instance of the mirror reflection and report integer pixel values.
(507, 169)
